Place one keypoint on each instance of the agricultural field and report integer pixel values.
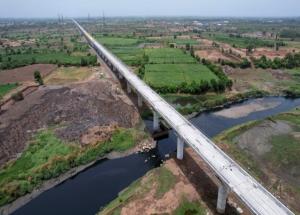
(168, 56)
(169, 75)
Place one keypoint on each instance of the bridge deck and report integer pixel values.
(254, 195)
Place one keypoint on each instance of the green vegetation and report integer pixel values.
(290, 61)
(160, 179)
(38, 78)
(174, 76)
(166, 181)
(242, 42)
(188, 104)
(5, 88)
(285, 151)
(117, 41)
(47, 157)
(60, 58)
(168, 56)
(190, 208)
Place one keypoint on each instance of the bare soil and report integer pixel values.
(213, 55)
(150, 204)
(271, 53)
(75, 109)
(25, 73)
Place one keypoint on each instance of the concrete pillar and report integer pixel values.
(140, 100)
(128, 87)
(180, 146)
(120, 75)
(222, 198)
(155, 121)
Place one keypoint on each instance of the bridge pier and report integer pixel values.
(222, 198)
(140, 100)
(155, 121)
(120, 75)
(128, 88)
(180, 146)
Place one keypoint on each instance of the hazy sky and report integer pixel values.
(75, 8)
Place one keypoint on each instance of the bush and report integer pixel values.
(38, 78)
(17, 96)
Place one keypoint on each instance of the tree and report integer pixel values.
(83, 62)
(38, 78)
(187, 46)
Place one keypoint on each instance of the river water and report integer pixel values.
(95, 187)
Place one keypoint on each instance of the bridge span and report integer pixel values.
(233, 178)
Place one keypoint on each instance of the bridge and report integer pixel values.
(232, 177)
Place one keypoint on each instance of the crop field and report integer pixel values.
(241, 42)
(117, 41)
(168, 56)
(131, 55)
(160, 75)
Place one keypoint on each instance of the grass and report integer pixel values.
(160, 75)
(168, 55)
(285, 151)
(166, 181)
(189, 208)
(47, 157)
(5, 88)
(117, 41)
(64, 75)
(160, 179)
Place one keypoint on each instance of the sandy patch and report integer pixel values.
(213, 55)
(245, 110)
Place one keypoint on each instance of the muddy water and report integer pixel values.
(92, 189)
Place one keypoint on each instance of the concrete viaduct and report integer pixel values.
(233, 178)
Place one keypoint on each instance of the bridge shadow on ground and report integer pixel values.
(203, 180)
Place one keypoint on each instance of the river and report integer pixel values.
(95, 187)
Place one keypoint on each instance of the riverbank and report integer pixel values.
(176, 187)
(145, 144)
(269, 149)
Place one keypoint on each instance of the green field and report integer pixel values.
(5, 88)
(160, 75)
(131, 55)
(117, 41)
(168, 55)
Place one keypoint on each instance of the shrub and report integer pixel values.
(17, 96)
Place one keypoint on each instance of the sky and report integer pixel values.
(213, 8)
